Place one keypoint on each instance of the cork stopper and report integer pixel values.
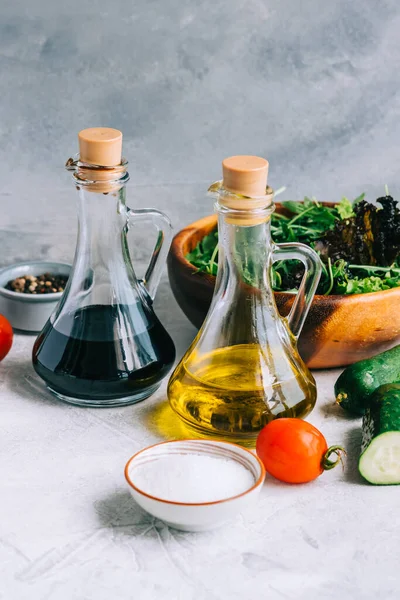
(245, 175)
(250, 200)
(100, 146)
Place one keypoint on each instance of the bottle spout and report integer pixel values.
(215, 189)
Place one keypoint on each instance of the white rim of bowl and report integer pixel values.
(32, 297)
(258, 482)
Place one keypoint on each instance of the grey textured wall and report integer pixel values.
(311, 85)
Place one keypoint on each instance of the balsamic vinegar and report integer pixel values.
(85, 355)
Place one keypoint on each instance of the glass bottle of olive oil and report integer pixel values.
(243, 368)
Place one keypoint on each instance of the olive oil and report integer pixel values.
(243, 368)
(233, 392)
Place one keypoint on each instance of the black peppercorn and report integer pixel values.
(39, 284)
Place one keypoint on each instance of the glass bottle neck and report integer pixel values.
(245, 247)
(102, 271)
(101, 216)
(102, 211)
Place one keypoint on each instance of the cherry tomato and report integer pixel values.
(6, 337)
(295, 451)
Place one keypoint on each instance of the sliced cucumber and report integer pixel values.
(380, 452)
(380, 462)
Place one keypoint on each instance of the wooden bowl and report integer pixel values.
(339, 330)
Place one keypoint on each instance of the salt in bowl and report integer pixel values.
(193, 515)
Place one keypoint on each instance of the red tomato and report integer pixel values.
(295, 451)
(6, 337)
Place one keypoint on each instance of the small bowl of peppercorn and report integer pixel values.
(30, 291)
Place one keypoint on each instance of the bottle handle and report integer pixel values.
(309, 283)
(159, 255)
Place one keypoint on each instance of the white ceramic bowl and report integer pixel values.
(28, 312)
(196, 516)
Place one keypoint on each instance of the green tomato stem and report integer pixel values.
(328, 464)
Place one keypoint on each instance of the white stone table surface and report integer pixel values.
(69, 529)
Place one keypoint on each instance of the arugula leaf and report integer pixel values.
(208, 243)
(293, 206)
(202, 254)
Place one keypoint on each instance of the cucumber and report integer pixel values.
(380, 450)
(358, 381)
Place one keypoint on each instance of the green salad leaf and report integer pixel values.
(312, 223)
(206, 249)
(345, 208)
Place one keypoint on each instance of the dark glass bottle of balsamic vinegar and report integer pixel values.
(104, 345)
